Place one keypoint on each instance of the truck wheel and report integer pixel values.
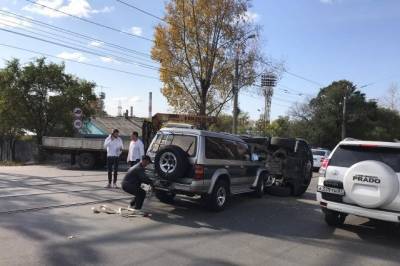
(219, 196)
(165, 197)
(260, 189)
(286, 143)
(334, 219)
(171, 162)
(86, 161)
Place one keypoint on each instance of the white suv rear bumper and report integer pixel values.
(359, 211)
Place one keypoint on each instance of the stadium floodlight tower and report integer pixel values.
(268, 82)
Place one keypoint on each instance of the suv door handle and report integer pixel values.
(227, 166)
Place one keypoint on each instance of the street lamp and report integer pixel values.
(236, 85)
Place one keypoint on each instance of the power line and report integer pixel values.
(72, 33)
(273, 97)
(304, 78)
(70, 41)
(298, 92)
(79, 49)
(141, 10)
(75, 61)
(91, 21)
(282, 93)
(296, 75)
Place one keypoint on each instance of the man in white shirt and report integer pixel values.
(114, 146)
(136, 150)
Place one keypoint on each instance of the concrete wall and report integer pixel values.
(25, 151)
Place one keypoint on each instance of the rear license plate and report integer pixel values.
(331, 190)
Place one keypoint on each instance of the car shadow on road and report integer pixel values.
(297, 220)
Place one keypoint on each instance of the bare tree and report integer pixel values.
(301, 111)
(392, 98)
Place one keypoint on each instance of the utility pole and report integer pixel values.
(150, 105)
(344, 113)
(235, 87)
(235, 93)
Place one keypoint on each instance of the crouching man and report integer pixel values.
(133, 180)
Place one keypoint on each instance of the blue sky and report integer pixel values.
(321, 40)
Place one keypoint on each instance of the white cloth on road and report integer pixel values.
(136, 151)
(114, 146)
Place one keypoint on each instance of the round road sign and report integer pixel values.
(78, 124)
(78, 112)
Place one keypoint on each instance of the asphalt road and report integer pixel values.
(268, 231)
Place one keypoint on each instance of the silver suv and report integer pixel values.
(196, 162)
(361, 178)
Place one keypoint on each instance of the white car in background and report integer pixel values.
(319, 155)
(361, 178)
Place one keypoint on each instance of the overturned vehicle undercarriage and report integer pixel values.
(289, 162)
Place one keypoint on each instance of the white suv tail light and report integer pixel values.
(324, 166)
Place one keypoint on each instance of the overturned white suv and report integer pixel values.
(361, 178)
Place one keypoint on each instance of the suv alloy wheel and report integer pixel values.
(218, 199)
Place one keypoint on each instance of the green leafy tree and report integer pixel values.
(44, 96)
(320, 120)
(11, 110)
(225, 122)
(280, 127)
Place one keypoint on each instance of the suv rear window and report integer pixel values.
(185, 142)
(346, 156)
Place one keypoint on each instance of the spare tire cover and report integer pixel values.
(371, 184)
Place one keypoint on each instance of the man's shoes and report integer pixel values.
(132, 204)
(115, 185)
(108, 186)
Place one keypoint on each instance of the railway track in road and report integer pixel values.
(35, 209)
(53, 183)
(82, 189)
(22, 178)
(53, 192)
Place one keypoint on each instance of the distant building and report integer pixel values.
(102, 126)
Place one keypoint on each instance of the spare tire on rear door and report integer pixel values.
(371, 184)
(171, 162)
(285, 143)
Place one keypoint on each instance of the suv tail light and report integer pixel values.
(198, 171)
(324, 166)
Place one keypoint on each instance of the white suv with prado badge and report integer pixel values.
(361, 178)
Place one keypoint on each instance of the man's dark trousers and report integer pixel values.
(137, 191)
(134, 162)
(112, 165)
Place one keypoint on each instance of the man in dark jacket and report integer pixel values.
(133, 180)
